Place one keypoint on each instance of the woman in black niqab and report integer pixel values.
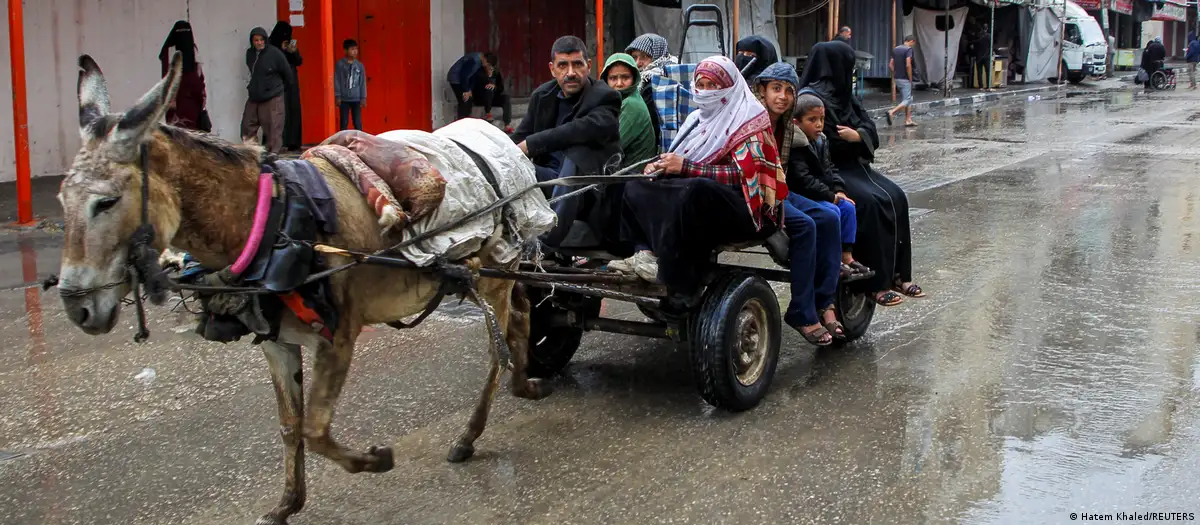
(281, 37)
(884, 240)
(763, 52)
(191, 96)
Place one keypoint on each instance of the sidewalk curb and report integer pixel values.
(966, 101)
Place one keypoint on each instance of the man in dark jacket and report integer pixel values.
(270, 74)
(571, 126)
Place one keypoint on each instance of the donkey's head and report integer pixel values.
(101, 196)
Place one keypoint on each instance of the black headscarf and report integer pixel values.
(762, 49)
(182, 40)
(280, 34)
(829, 72)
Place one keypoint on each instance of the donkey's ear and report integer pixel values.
(93, 94)
(142, 118)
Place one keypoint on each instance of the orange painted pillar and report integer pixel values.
(16, 49)
(599, 38)
(327, 54)
(737, 22)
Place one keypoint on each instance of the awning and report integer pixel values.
(1090, 5)
(1170, 12)
(1124, 7)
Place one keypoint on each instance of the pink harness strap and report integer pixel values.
(261, 210)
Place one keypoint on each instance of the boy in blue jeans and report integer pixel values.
(813, 175)
(350, 86)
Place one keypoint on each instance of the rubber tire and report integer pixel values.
(551, 348)
(710, 335)
(848, 300)
(1075, 78)
(1158, 81)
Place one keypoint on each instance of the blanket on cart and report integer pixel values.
(480, 165)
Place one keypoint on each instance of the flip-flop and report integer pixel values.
(911, 290)
(888, 299)
(910, 124)
(889, 118)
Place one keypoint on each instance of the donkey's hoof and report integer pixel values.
(382, 460)
(460, 452)
(535, 389)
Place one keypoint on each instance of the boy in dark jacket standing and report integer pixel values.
(270, 73)
(350, 86)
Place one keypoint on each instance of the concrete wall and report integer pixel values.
(124, 37)
(446, 30)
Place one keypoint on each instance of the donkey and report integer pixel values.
(202, 191)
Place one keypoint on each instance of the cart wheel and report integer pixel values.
(734, 340)
(854, 310)
(552, 347)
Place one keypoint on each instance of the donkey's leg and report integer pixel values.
(518, 343)
(496, 293)
(464, 447)
(330, 366)
(285, 362)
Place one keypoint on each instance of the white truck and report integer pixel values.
(1085, 49)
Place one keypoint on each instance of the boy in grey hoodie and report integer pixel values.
(350, 86)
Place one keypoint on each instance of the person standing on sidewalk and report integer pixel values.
(269, 74)
(188, 108)
(281, 37)
(901, 65)
(1192, 57)
(350, 86)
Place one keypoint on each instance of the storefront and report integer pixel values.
(1172, 17)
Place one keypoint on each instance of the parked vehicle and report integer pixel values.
(1085, 49)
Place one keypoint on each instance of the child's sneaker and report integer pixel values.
(487, 116)
(509, 129)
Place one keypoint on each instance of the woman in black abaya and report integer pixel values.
(884, 241)
(281, 37)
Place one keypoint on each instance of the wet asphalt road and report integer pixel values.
(1052, 370)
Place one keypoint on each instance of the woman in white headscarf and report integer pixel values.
(723, 185)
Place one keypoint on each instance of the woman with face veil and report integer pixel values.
(187, 110)
(884, 242)
(721, 183)
(281, 37)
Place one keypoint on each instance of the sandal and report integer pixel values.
(859, 267)
(888, 299)
(834, 327)
(818, 337)
(911, 290)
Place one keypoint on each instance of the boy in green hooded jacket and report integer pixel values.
(637, 131)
